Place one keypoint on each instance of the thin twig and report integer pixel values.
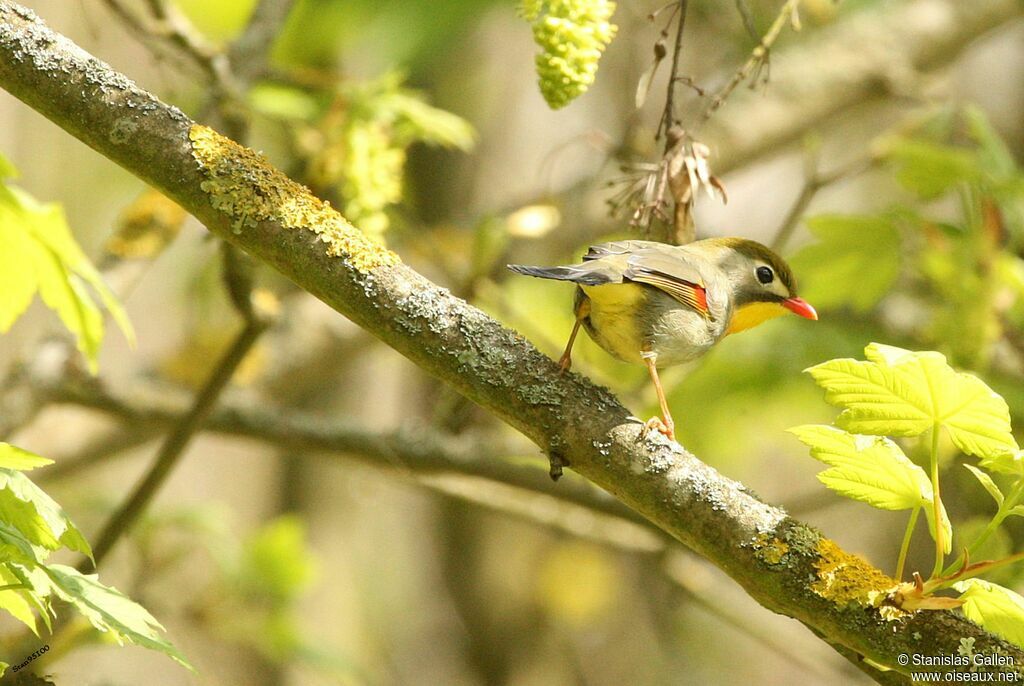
(175, 444)
(758, 57)
(813, 183)
(166, 28)
(748, 20)
(668, 114)
(97, 451)
(249, 53)
(421, 451)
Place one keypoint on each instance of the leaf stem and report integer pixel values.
(905, 546)
(940, 533)
(975, 570)
(1011, 500)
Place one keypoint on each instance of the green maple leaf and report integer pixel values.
(109, 610)
(16, 458)
(38, 254)
(994, 607)
(38, 518)
(897, 392)
(871, 469)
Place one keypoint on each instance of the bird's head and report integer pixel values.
(762, 284)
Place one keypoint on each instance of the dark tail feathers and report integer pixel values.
(585, 274)
(560, 273)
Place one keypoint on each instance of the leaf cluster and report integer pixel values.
(898, 393)
(354, 138)
(952, 240)
(32, 526)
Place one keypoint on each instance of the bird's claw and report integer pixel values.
(657, 424)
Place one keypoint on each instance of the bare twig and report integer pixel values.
(668, 115)
(758, 57)
(249, 53)
(846, 64)
(814, 181)
(415, 450)
(175, 444)
(98, 451)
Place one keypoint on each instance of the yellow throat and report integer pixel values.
(752, 314)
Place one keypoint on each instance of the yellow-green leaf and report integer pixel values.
(12, 599)
(986, 481)
(38, 253)
(994, 607)
(12, 457)
(35, 515)
(947, 526)
(108, 610)
(897, 392)
(7, 170)
(871, 469)
(1010, 462)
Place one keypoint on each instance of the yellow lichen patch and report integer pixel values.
(844, 578)
(244, 185)
(146, 226)
(770, 549)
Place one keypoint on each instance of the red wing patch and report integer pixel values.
(690, 294)
(701, 295)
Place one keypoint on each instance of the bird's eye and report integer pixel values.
(765, 275)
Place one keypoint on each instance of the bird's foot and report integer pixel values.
(657, 424)
(564, 364)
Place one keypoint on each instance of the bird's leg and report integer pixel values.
(582, 311)
(663, 424)
(565, 361)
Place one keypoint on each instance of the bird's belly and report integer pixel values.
(612, 322)
(680, 335)
(627, 319)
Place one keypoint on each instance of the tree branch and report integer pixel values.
(785, 565)
(174, 445)
(419, 450)
(758, 59)
(248, 54)
(841, 66)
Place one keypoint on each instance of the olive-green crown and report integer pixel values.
(757, 251)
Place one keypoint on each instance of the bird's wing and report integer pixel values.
(655, 264)
(600, 250)
(671, 272)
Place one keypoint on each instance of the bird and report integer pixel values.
(661, 305)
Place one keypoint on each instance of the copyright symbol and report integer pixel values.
(903, 659)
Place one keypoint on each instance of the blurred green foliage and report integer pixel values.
(354, 139)
(39, 254)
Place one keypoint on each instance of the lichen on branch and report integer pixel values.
(242, 184)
